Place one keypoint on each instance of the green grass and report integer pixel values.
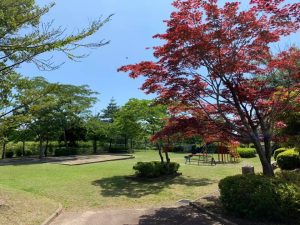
(102, 185)
(20, 207)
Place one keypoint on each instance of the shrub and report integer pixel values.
(117, 149)
(155, 169)
(177, 149)
(288, 160)
(247, 152)
(65, 151)
(28, 152)
(259, 197)
(9, 154)
(19, 152)
(278, 151)
(290, 177)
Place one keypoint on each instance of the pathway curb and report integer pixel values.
(53, 215)
(210, 213)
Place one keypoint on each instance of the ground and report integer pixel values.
(103, 185)
(184, 215)
(20, 207)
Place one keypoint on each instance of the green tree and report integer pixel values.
(97, 130)
(60, 113)
(23, 37)
(108, 114)
(139, 119)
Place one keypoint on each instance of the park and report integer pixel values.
(202, 127)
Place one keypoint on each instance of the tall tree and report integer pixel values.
(217, 59)
(23, 37)
(108, 114)
(139, 119)
(58, 113)
(96, 130)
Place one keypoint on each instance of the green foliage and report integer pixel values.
(247, 152)
(176, 148)
(290, 177)
(28, 152)
(260, 197)
(109, 113)
(116, 149)
(37, 37)
(155, 169)
(65, 151)
(288, 160)
(9, 153)
(19, 152)
(139, 119)
(278, 151)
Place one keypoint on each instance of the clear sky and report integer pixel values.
(130, 32)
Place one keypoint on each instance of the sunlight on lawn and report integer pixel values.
(104, 185)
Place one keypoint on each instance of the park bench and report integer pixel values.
(204, 157)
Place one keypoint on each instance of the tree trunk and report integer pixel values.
(167, 156)
(65, 138)
(125, 142)
(3, 150)
(95, 146)
(23, 148)
(159, 152)
(110, 143)
(264, 159)
(46, 148)
(41, 150)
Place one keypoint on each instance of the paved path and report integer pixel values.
(184, 215)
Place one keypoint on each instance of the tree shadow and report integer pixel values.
(117, 186)
(176, 216)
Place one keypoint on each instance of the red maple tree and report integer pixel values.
(217, 59)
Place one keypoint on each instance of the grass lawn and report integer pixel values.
(20, 207)
(102, 185)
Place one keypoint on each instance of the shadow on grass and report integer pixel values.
(121, 186)
(176, 216)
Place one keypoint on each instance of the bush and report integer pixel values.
(278, 151)
(260, 197)
(177, 149)
(290, 177)
(155, 169)
(65, 151)
(116, 148)
(288, 160)
(19, 152)
(28, 152)
(247, 152)
(9, 154)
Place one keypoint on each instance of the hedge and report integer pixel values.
(288, 160)
(155, 169)
(247, 152)
(260, 197)
(278, 151)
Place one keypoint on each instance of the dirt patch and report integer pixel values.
(67, 160)
(79, 160)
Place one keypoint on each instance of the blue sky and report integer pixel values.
(130, 32)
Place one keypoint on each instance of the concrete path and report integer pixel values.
(184, 215)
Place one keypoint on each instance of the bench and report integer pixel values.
(204, 157)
